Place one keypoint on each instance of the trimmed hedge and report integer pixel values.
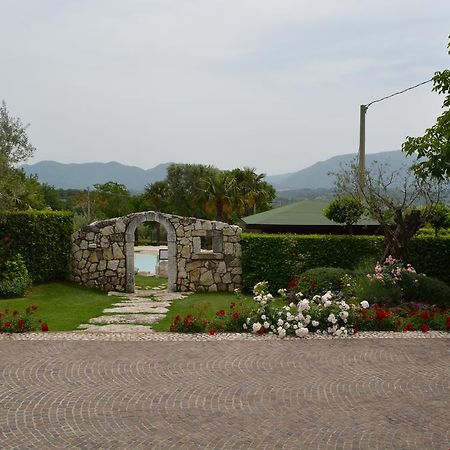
(43, 238)
(278, 258)
(431, 255)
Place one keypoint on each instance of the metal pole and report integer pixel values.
(362, 148)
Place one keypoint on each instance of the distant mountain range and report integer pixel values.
(83, 175)
(317, 176)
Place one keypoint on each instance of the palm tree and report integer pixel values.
(251, 191)
(219, 192)
(157, 193)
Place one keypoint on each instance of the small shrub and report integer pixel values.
(426, 290)
(375, 292)
(14, 280)
(318, 281)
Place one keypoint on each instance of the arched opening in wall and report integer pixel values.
(150, 250)
(150, 245)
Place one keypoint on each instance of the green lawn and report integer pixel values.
(204, 305)
(144, 282)
(63, 306)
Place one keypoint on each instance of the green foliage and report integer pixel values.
(431, 256)
(319, 280)
(438, 216)
(280, 258)
(424, 289)
(206, 192)
(345, 210)
(14, 144)
(434, 145)
(14, 278)
(185, 193)
(110, 199)
(43, 238)
(376, 292)
(14, 148)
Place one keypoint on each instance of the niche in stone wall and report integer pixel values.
(211, 243)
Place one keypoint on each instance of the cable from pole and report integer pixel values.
(397, 93)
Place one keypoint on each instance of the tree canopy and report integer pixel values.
(433, 148)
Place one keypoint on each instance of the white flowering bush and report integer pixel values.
(328, 314)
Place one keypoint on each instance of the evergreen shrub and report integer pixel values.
(279, 258)
(14, 278)
(43, 238)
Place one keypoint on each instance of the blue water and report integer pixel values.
(145, 262)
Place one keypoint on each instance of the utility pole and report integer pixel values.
(362, 135)
(362, 149)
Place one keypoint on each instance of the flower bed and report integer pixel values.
(13, 321)
(332, 313)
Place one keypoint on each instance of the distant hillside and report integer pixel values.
(80, 176)
(316, 176)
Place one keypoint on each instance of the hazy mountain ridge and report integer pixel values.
(316, 176)
(83, 175)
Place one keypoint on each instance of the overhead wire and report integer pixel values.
(398, 93)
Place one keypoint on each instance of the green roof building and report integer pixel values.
(303, 217)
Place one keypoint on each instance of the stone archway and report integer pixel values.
(171, 244)
(204, 255)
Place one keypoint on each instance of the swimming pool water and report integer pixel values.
(145, 262)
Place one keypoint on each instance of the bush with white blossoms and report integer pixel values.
(327, 314)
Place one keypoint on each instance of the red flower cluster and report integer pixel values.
(20, 322)
(221, 312)
(402, 319)
(293, 282)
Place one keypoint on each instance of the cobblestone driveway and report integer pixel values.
(317, 394)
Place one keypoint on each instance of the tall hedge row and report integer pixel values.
(43, 238)
(278, 258)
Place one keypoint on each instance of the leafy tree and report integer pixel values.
(111, 199)
(186, 196)
(392, 199)
(346, 210)
(14, 148)
(433, 148)
(14, 144)
(438, 216)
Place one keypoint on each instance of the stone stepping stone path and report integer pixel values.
(133, 312)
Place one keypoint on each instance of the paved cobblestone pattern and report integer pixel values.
(246, 394)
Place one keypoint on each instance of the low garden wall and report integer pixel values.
(203, 255)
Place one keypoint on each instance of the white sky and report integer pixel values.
(272, 84)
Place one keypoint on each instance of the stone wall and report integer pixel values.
(203, 255)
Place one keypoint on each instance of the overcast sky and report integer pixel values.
(272, 84)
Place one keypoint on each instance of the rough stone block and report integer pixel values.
(228, 248)
(117, 251)
(107, 231)
(206, 278)
(113, 264)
